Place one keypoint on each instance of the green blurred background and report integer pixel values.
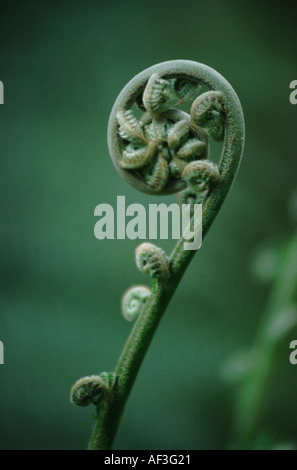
(63, 65)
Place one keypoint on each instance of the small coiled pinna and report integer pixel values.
(201, 176)
(152, 260)
(92, 389)
(207, 113)
(133, 301)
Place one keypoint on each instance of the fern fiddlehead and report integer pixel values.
(92, 389)
(165, 151)
(133, 301)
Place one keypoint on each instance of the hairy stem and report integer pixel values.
(109, 415)
(279, 318)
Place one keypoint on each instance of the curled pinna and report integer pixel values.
(133, 301)
(201, 176)
(92, 389)
(207, 112)
(152, 260)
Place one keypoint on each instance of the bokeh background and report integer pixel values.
(62, 65)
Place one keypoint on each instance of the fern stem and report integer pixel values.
(109, 417)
